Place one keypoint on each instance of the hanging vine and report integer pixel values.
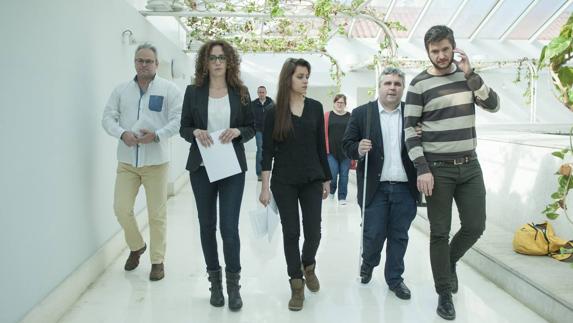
(279, 34)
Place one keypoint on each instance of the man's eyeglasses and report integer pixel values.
(141, 61)
(220, 58)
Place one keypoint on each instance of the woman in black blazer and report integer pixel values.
(294, 137)
(218, 100)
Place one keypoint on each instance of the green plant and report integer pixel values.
(529, 76)
(280, 34)
(556, 56)
(564, 183)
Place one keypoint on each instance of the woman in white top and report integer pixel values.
(218, 101)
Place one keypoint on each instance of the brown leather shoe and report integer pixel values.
(133, 259)
(157, 272)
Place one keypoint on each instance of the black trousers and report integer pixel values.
(288, 197)
(464, 184)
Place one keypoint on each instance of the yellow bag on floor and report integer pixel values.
(531, 239)
(540, 240)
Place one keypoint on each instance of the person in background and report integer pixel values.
(218, 101)
(142, 114)
(294, 140)
(443, 99)
(335, 123)
(261, 105)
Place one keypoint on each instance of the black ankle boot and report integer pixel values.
(446, 307)
(235, 301)
(217, 298)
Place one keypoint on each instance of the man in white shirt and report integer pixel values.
(143, 113)
(377, 128)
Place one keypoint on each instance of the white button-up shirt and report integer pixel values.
(391, 127)
(158, 109)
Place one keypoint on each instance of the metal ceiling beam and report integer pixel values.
(485, 20)
(220, 14)
(381, 31)
(550, 20)
(353, 21)
(457, 13)
(387, 31)
(390, 8)
(518, 20)
(419, 19)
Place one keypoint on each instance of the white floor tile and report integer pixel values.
(183, 296)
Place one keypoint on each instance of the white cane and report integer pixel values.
(363, 208)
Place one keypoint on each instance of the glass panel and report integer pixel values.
(555, 26)
(542, 11)
(406, 12)
(504, 17)
(471, 16)
(439, 13)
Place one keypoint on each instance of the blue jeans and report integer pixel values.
(230, 192)
(388, 218)
(259, 158)
(339, 170)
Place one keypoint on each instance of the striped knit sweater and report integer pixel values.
(444, 105)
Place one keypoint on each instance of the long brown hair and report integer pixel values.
(232, 72)
(283, 122)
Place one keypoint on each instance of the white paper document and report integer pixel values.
(264, 221)
(219, 159)
(142, 123)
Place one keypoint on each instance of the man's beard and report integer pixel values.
(438, 68)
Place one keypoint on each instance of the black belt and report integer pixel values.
(392, 182)
(456, 161)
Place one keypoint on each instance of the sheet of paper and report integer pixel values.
(259, 222)
(272, 218)
(141, 123)
(264, 220)
(219, 159)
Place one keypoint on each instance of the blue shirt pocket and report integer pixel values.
(156, 103)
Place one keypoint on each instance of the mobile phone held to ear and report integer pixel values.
(457, 57)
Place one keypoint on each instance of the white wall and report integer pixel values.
(60, 61)
(519, 176)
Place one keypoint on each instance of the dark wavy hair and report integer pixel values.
(283, 122)
(438, 33)
(232, 73)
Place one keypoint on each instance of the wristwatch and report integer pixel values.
(156, 139)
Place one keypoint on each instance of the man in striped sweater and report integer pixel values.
(442, 98)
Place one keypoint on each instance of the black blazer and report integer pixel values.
(194, 116)
(356, 131)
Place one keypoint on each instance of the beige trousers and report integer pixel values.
(127, 183)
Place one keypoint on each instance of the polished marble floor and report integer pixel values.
(183, 296)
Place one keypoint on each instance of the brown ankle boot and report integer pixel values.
(297, 294)
(311, 279)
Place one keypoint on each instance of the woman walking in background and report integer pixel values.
(294, 137)
(335, 122)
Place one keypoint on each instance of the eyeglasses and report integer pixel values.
(220, 58)
(339, 102)
(141, 61)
